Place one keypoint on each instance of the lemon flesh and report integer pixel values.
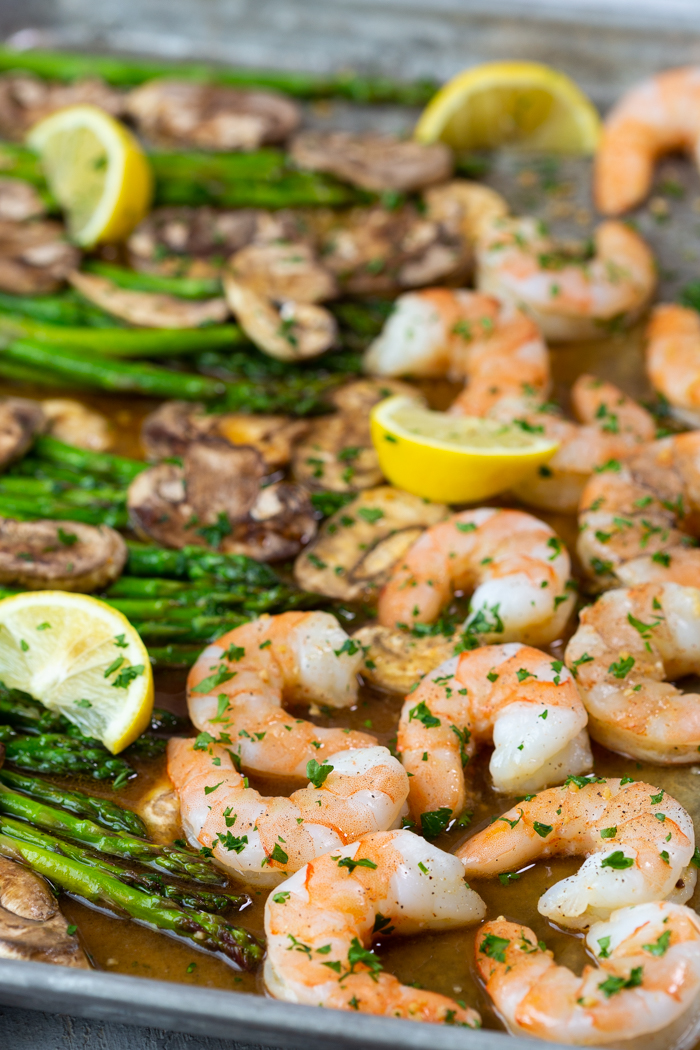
(96, 170)
(81, 658)
(522, 104)
(452, 459)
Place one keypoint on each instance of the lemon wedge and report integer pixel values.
(524, 104)
(96, 170)
(79, 657)
(452, 459)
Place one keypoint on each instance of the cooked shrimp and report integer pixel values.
(517, 567)
(638, 519)
(614, 427)
(320, 921)
(464, 206)
(673, 359)
(570, 298)
(236, 687)
(627, 645)
(657, 116)
(262, 840)
(647, 978)
(439, 331)
(637, 840)
(513, 696)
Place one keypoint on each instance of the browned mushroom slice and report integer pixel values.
(182, 113)
(160, 809)
(463, 207)
(19, 201)
(395, 660)
(216, 500)
(20, 421)
(174, 425)
(358, 546)
(337, 453)
(372, 250)
(59, 555)
(34, 257)
(148, 309)
(283, 272)
(31, 925)
(76, 424)
(290, 332)
(191, 242)
(25, 99)
(374, 162)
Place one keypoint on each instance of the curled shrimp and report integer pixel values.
(510, 695)
(658, 116)
(638, 519)
(321, 920)
(262, 840)
(673, 359)
(612, 426)
(646, 979)
(637, 840)
(569, 298)
(516, 566)
(440, 331)
(627, 644)
(236, 687)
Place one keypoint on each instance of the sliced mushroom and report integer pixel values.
(337, 453)
(175, 424)
(290, 332)
(374, 162)
(76, 424)
(463, 207)
(31, 925)
(395, 660)
(159, 808)
(358, 546)
(283, 272)
(25, 99)
(216, 499)
(148, 309)
(183, 113)
(59, 555)
(19, 201)
(373, 250)
(35, 257)
(20, 421)
(192, 242)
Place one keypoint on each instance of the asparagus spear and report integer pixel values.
(121, 342)
(31, 509)
(104, 464)
(183, 287)
(149, 881)
(60, 755)
(86, 833)
(207, 931)
(102, 373)
(68, 308)
(123, 72)
(195, 562)
(295, 190)
(104, 812)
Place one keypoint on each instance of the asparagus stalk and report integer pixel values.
(86, 833)
(79, 497)
(207, 931)
(32, 509)
(121, 342)
(122, 72)
(299, 189)
(195, 562)
(101, 810)
(183, 287)
(61, 755)
(36, 376)
(149, 881)
(102, 373)
(104, 464)
(68, 308)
